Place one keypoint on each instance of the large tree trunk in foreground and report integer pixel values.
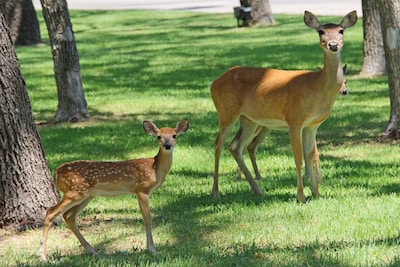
(390, 23)
(26, 187)
(22, 20)
(374, 56)
(72, 104)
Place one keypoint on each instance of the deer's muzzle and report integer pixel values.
(333, 46)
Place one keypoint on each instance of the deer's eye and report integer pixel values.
(159, 137)
(321, 32)
(341, 31)
(174, 136)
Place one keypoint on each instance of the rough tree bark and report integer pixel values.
(72, 105)
(390, 22)
(261, 12)
(374, 56)
(26, 187)
(22, 20)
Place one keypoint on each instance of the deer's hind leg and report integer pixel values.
(241, 140)
(259, 136)
(225, 127)
(252, 148)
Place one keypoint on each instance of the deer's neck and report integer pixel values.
(332, 72)
(162, 164)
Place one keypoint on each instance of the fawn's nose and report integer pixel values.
(167, 146)
(343, 92)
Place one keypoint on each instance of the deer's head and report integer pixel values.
(330, 34)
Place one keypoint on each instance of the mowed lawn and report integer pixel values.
(150, 65)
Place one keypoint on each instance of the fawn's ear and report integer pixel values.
(182, 126)
(150, 128)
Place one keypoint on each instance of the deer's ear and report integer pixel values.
(311, 20)
(182, 126)
(349, 20)
(150, 128)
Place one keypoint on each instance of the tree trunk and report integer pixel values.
(374, 55)
(261, 12)
(390, 23)
(72, 105)
(26, 187)
(22, 20)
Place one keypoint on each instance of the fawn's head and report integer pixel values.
(166, 136)
(330, 34)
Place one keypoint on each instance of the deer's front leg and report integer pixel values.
(296, 142)
(310, 154)
(144, 204)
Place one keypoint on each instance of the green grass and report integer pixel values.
(158, 66)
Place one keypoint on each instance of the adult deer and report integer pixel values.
(260, 134)
(81, 181)
(297, 101)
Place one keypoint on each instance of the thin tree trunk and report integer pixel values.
(72, 105)
(261, 12)
(390, 23)
(374, 55)
(26, 187)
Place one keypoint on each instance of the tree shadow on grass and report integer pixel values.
(185, 215)
(191, 246)
(312, 254)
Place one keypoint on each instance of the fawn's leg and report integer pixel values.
(144, 204)
(70, 218)
(67, 202)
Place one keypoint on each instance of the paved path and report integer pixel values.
(318, 7)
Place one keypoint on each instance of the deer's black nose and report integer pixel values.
(333, 46)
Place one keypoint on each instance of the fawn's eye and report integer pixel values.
(159, 137)
(341, 31)
(321, 32)
(174, 136)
